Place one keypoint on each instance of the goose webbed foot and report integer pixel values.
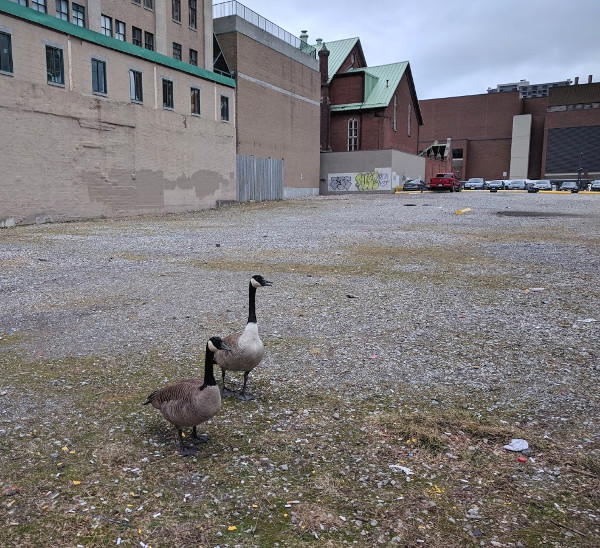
(245, 396)
(225, 392)
(196, 439)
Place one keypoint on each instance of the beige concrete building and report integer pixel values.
(278, 103)
(95, 126)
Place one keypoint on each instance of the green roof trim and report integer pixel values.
(338, 51)
(54, 23)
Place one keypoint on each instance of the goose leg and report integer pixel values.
(202, 438)
(243, 395)
(225, 392)
(185, 450)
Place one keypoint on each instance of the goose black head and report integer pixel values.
(216, 343)
(258, 281)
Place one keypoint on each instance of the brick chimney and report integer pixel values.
(590, 79)
(325, 103)
(576, 80)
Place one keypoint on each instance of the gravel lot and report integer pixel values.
(492, 299)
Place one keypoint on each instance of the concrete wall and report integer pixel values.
(399, 166)
(519, 152)
(278, 113)
(70, 154)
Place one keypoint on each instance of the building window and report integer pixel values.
(120, 30)
(225, 108)
(6, 64)
(135, 86)
(138, 2)
(176, 51)
(21, 2)
(54, 65)
(149, 41)
(167, 93)
(148, 4)
(62, 9)
(98, 76)
(409, 117)
(353, 134)
(193, 57)
(195, 96)
(136, 36)
(192, 14)
(39, 5)
(176, 7)
(78, 15)
(106, 25)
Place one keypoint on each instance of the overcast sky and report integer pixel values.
(457, 47)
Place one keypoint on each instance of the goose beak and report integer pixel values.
(225, 347)
(267, 283)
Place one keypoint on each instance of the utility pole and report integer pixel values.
(580, 170)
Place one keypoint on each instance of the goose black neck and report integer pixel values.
(252, 304)
(209, 374)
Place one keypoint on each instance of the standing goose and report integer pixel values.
(247, 349)
(191, 402)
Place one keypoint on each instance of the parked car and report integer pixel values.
(414, 184)
(445, 181)
(569, 186)
(595, 185)
(542, 184)
(518, 184)
(476, 183)
(496, 185)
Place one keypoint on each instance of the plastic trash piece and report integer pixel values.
(463, 210)
(516, 444)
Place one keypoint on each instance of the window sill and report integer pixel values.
(148, 9)
(195, 29)
(176, 22)
(136, 102)
(56, 84)
(6, 73)
(197, 115)
(100, 93)
(172, 109)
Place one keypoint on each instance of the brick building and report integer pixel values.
(502, 135)
(366, 109)
(277, 122)
(94, 125)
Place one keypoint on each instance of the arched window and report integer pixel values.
(352, 134)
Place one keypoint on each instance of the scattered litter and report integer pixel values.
(397, 469)
(350, 296)
(522, 459)
(409, 205)
(463, 210)
(588, 320)
(517, 445)
(535, 289)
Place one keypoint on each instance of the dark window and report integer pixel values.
(176, 7)
(106, 23)
(6, 64)
(149, 41)
(136, 36)
(62, 9)
(135, 86)
(195, 96)
(98, 76)
(148, 4)
(120, 30)
(138, 2)
(192, 14)
(39, 5)
(54, 65)
(78, 15)
(176, 51)
(167, 93)
(224, 108)
(193, 57)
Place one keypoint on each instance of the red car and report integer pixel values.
(445, 181)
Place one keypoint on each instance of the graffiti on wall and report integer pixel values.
(378, 179)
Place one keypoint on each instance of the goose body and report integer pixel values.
(191, 402)
(247, 349)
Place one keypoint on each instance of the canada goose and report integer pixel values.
(191, 401)
(247, 349)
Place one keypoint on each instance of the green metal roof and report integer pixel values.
(338, 51)
(88, 35)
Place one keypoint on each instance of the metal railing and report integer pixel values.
(226, 9)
